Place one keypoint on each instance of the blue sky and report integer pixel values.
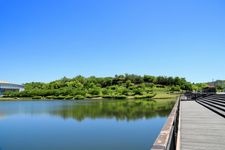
(44, 40)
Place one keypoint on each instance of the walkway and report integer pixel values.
(201, 128)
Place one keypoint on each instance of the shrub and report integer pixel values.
(36, 97)
(60, 97)
(94, 91)
(94, 96)
(79, 97)
(115, 96)
(120, 97)
(175, 88)
(51, 97)
(69, 97)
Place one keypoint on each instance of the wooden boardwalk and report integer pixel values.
(200, 128)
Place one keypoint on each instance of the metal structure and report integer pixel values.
(5, 86)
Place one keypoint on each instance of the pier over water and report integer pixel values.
(199, 125)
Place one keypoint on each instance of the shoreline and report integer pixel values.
(95, 98)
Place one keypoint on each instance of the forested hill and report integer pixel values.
(120, 86)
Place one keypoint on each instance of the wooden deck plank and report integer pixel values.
(201, 129)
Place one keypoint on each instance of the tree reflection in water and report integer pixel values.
(119, 109)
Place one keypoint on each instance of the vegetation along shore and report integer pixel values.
(128, 86)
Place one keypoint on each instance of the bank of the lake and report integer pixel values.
(161, 93)
(128, 86)
(95, 98)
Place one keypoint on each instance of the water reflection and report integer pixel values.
(121, 110)
(80, 110)
(81, 125)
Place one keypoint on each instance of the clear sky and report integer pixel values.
(44, 40)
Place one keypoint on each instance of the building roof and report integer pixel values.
(3, 81)
(8, 83)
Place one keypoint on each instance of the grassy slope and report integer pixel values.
(163, 93)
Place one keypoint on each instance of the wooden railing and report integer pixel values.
(168, 137)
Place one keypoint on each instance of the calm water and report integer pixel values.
(81, 125)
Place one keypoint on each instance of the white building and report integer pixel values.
(6, 86)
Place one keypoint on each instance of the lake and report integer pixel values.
(82, 124)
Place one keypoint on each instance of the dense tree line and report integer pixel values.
(120, 86)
